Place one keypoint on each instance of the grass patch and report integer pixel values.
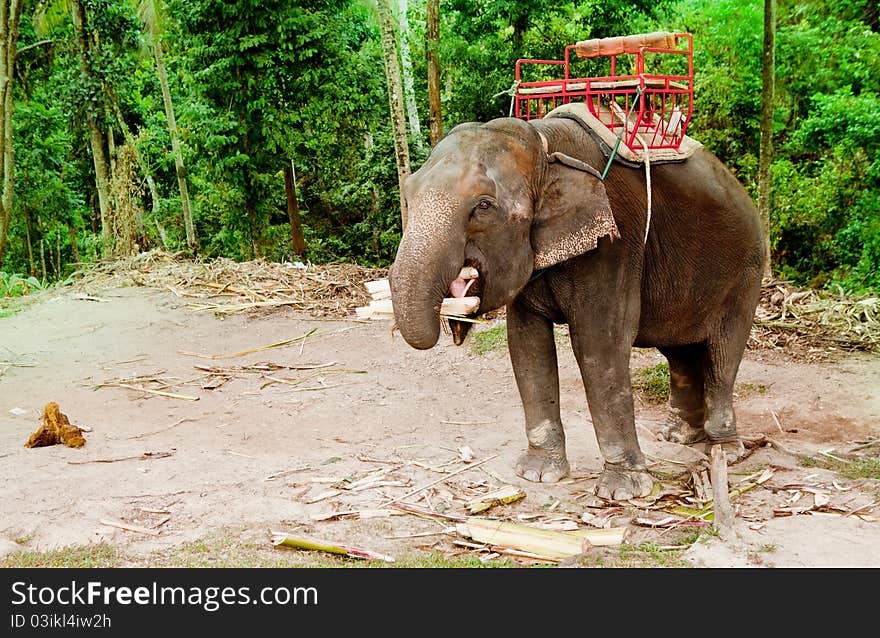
(495, 339)
(491, 340)
(652, 383)
(748, 389)
(852, 469)
(643, 555)
(97, 555)
(650, 554)
(227, 549)
(221, 550)
(233, 553)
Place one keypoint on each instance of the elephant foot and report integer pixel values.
(620, 484)
(538, 466)
(677, 430)
(734, 449)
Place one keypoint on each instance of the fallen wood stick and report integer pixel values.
(165, 429)
(440, 480)
(170, 395)
(323, 495)
(370, 486)
(281, 473)
(230, 355)
(369, 478)
(707, 513)
(146, 456)
(244, 456)
(723, 520)
(129, 528)
(429, 514)
(861, 507)
(316, 544)
(369, 513)
(446, 530)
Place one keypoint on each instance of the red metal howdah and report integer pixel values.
(656, 105)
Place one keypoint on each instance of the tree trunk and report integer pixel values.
(192, 240)
(45, 276)
(432, 48)
(296, 233)
(412, 113)
(395, 99)
(32, 267)
(96, 134)
(768, 70)
(74, 247)
(111, 149)
(154, 195)
(10, 13)
(102, 177)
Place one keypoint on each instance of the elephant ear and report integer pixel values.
(571, 215)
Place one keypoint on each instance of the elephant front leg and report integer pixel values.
(609, 395)
(533, 356)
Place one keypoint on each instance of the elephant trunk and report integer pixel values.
(428, 259)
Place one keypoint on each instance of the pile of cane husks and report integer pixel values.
(806, 321)
(803, 322)
(224, 286)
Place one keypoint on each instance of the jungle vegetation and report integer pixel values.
(209, 126)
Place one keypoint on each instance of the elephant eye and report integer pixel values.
(484, 204)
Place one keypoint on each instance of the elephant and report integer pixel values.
(523, 203)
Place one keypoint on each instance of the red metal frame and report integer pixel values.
(660, 105)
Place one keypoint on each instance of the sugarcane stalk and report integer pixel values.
(502, 496)
(316, 544)
(542, 542)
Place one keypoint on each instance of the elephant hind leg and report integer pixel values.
(725, 347)
(687, 412)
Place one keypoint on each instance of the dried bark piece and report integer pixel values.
(56, 428)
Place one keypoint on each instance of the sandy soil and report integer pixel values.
(247, 453)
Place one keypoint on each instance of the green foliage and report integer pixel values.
(77, 556)
(861, 468)
(257, 84)
(12, 285)
(491, 340)
(825, 223)
(653, 383)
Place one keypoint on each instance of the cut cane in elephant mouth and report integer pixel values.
(467, 283)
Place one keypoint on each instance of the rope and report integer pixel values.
(648, 180)
(625, 120)
(622, 130)
(512, 93)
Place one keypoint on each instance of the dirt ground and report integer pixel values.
(259, 444)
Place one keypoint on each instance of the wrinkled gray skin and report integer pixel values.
(488, 197)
